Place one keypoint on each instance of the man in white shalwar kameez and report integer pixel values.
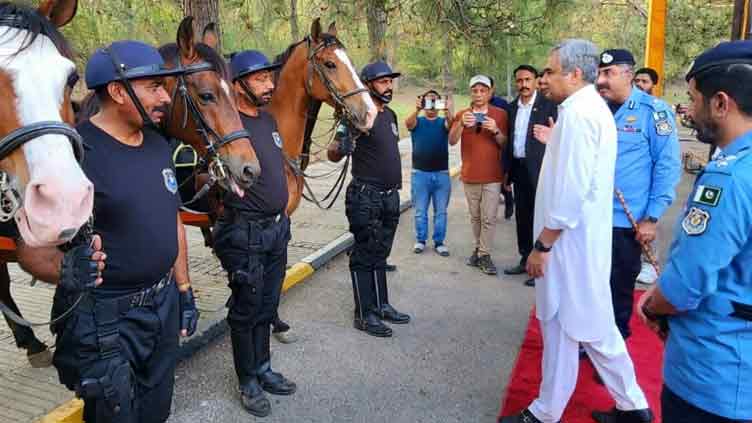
(571, 260)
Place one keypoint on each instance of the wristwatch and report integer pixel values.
(540, 247)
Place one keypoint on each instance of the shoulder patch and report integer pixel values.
(663, 127)
(171, 183)
(277, 139)
(708, 195)
(696, 221)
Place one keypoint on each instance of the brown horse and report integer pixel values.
(315, 70)
(42, 187)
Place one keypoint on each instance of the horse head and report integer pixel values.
(332, 78)
(204, 114)
(42, 186)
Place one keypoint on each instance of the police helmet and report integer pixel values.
(249, 61)
(134, 59)
(376, 70)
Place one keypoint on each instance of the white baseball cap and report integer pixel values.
(480, 79)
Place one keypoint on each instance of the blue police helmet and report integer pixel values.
(135, 59)
(249, 61)
(376, 70)
(726, 53)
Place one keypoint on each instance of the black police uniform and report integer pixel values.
(250, 239)
(372, 207)
(118, 349)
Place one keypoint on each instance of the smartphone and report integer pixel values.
(440, 104)
(428, 104)
(479, 117)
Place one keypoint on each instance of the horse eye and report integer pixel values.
(206, 97)
(329, 64)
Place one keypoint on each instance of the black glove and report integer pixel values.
(78, 272)
(346, 138)
(188, 312)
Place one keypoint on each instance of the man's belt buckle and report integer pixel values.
(139, 299)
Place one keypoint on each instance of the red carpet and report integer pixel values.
(645, 348)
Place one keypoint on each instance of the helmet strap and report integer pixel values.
(120, 69)
(249, 93)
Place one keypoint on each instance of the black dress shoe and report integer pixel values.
(390, 267)
(530, 282)
(254, 401)
(274, 383)
(372, 325)
(618, 416)
(390, 314)
(524, 417)
(515, 270)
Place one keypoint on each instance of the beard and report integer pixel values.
(707, 132)
(387, 95)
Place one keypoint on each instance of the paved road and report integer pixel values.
(448, 365)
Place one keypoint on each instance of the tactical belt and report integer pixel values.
(142, 298)
(365, 185)
(244, 217)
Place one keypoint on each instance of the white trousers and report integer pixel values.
(561, 364)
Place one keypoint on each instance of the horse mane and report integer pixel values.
(35, 24)
(171, 53)
(314, 106)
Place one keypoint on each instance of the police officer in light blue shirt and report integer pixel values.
(706, 287)
(647, 170)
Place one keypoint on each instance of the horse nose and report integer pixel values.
(249, 173)
(56, 210)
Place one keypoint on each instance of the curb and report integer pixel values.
(73, 410)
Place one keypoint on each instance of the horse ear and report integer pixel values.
(332, 29)
(185, 39)
(316, 30)
(210, 36)
(59, 12)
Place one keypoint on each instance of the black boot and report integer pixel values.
(617, 416)
(524, 417)
(366, 317)
(388, 313)
(251, 395)
(270, 381)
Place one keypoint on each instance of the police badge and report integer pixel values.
(696, 221)
(277, 139)
(170, 182)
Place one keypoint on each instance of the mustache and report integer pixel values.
(267, 93)
(603, 86)
(388, 93)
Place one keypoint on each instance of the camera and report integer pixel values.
(440, 104)
(479, 117)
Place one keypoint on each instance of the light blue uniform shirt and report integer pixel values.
(708, 278)
(648, 165)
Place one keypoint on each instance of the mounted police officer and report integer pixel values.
(118, 348)
(647, 170)
(372, 204)
(251, 239)
(705, 291)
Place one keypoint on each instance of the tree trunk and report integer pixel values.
(204, 12)
(377, 21)
(294, 31)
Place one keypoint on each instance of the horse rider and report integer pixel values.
(372, 203)
(118, 348)
(250, 239)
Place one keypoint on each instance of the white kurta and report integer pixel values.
(575, 194)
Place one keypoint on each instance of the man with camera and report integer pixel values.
(430, 181)
(482, 128)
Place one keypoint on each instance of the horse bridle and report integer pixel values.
(212, 140)
(314, 66)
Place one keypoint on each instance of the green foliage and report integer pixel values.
(426, 39)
